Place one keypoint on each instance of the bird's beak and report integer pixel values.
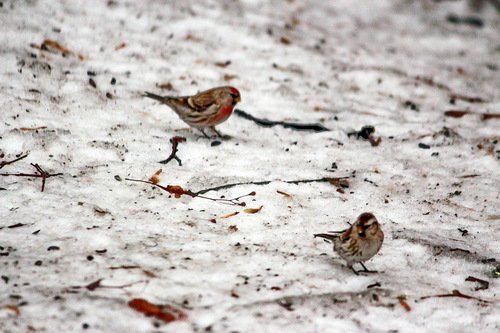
(237, 99)
(361, 231)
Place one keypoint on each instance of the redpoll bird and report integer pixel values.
(205, 109)
(358, 243)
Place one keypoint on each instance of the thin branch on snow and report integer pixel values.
(97, 284)
(4, 163)
(483, 283)
(40, 173)
(456, 293)
(178, 191)
(337, 181)
(271, 123)
(175, 140)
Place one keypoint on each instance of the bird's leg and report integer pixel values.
(204, 134)
(219, 134)
(366, 269)
(215, 131)
(354, 271)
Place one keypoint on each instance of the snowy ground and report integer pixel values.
(391, 64)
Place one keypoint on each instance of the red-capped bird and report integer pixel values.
(358, 243)
(205, 109)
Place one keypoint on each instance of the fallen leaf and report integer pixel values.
(14, 308)
(404, 304)
(176, 190)
(375, 142)
(120, 46)
(229, 215)
(229, 77)
(232, 228)
(163, 312)
(155, 178)
(456, 113)
(285, 41)
(52, 45)
(150, 309)
(252, 210)
(284, 194)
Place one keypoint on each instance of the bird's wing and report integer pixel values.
(155, 96)
(202, 101)
(329, 237)
(346, 234)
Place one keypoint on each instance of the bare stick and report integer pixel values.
(4, 163)
(456, 293)
(271, 123)
(266, 182)
(178, 191)
(40, 174)
(175, 140)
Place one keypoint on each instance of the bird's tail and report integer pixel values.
(162, 99)
(330, 237)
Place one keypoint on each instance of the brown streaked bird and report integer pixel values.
(358, 243)
(203, 110)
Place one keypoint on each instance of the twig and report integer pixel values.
(366, 133)
(483, 284)
(271, 123)
(331, 180)
(173, 155)
(456, 293)
(97, 284)
(179, 191)
(40, 174)
(339, 182)
(288, 301)
(4, 163)
(466, 98)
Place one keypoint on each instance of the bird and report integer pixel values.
(204, 110)
(358, 243)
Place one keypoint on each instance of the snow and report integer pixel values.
(346, 66)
